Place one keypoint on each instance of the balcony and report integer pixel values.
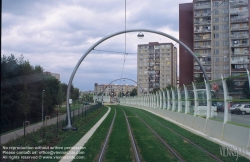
(239, 19)
(240, 36)
(240, 45)
(200, 71)
(245, 61)
(239, 28)
(239, 70)
(202, 14)
(202, 22)
(200, 0)
(240, 53)
(202, 6)
(202, 37)
(156, 68)
(203, 63)
(203, 54)
(236, 12)
(202, 30)
(202, 46)
(239, 3)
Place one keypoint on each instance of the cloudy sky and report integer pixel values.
(55, 34)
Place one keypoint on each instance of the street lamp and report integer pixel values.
(42, 104)
(140, 35)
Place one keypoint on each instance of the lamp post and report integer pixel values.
(42, 103)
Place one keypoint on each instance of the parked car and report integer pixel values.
(242, 109)
(232, 108)
(220, 106)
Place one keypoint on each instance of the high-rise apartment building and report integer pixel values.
(113, 89)
(156, 66)
(220, 37)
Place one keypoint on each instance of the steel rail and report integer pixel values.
(156, 134)
(104, 147)
(191, 142)
(137, 157)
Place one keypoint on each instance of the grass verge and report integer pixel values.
(94, 144)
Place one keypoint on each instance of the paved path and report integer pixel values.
(75, 149)
(19, 133)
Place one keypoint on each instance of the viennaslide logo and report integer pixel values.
(233, 151)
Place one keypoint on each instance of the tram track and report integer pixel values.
(104, 147)
(184, 138)
(173, 151)
(135, 150)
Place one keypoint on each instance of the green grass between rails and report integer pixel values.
(119, 145)
(150, 148)
(200, 141)
(184, 148)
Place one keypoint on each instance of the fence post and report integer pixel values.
(173, 100)
(209, 104)
(186, 100)
(168, 95)
(225, 91)
(179, 100)
(195, 99)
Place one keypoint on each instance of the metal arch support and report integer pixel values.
(69, 126)
(116, 80)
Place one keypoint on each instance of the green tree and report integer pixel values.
(24, 102)
(246, 90)
(133, 92)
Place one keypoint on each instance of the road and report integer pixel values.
(241, 119)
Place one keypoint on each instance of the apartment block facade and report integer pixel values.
(113, 89)
(220, 37)
(156, 66)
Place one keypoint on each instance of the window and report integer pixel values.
(216, 59)
(216, 43)
(225, 19)
(225, 27)
(216, 12)
(225, 51)
(225, 59)
(216, 4)
(225, 43)
(197, 67)
(216, 51)
(225, 35)
(216, 35)
(217, 67)
(225, 11)
(225, 3)
(216, 27)
(225, 67)
(216, 19)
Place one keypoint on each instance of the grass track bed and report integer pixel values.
(119, 145)
(150, 147)
(176, 141)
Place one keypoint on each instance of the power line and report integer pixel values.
(99, 50)
(125, 45)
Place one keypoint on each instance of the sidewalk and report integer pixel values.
(20, 132)
(75, 149)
